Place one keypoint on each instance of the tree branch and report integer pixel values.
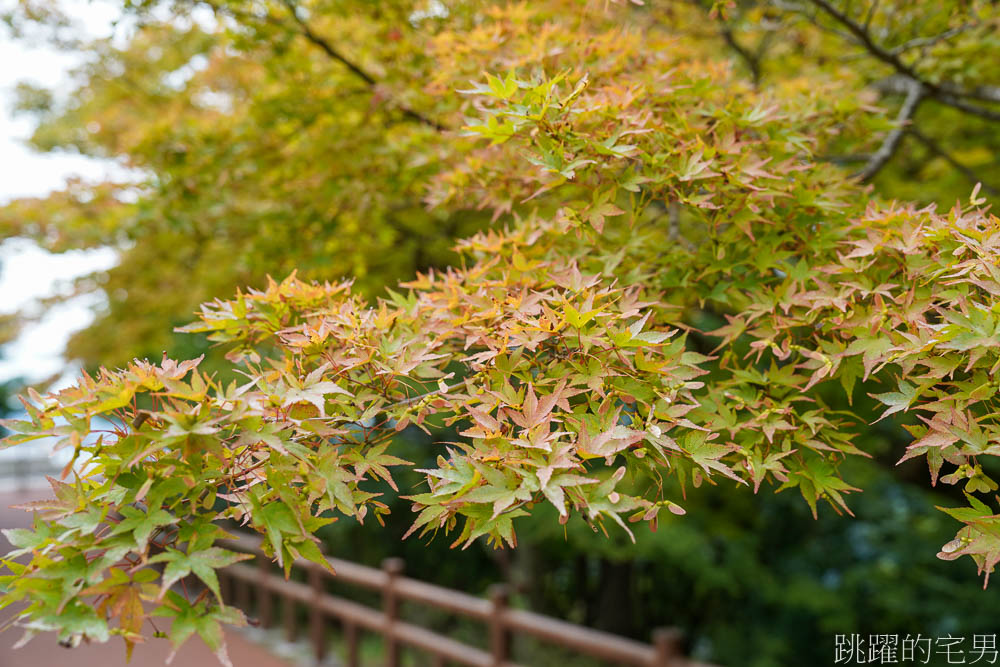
(899, 84)
(921, 42)
(326, 46)
(355, 69)
(945, 93)
(953, 101)
(752, 60)
(871, 15)
(878, 159)
(937, 149)
(865, 38)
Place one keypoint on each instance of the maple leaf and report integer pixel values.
(706, 454)
(142, 524)
(897, 400)
(599, 211)
(980, 539)
(202, 563)
(188, 619)
(314, 393)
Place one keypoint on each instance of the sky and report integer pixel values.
(27, 272)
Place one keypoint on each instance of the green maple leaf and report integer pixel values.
(897, 400)
(278, 520)
(141, 524)
(189, 619)
(818, 479)
(980, 539)
(202, 564)
(77, 619)
(707, 455)
(27, 540)
(873, 350)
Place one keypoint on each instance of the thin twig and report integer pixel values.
(899, 84)
(306, 31)
(845, 159)
(752, 61)
(945, 93)
(865, 38)
(871, 14)
(880, 157)
(936, 148)
(354, 68)
(921, 42)
(953, 101)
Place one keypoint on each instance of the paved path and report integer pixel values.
(43, 651)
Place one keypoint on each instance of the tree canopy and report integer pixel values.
(680, 285)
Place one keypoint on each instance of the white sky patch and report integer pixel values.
(180, 76)
(28, 273)
(22, 171)
(434, 9)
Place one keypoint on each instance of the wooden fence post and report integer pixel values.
(242, 596)
(499, 637)
(351, 637)
(21, 471)
(390, 606)
(316, 635)
(288, 616)
(502, 622)
(226, 588)
(265, 603)
(667, 644)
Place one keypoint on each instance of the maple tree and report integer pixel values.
(675, 287)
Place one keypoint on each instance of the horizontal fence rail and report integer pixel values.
(21, 473)
(503, 623)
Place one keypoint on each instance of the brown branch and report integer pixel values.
(888, 148)
(354, 68)
(864, 37)
(922, 42)
(845, 159)
(953, 101)
(871, 14)
(899, 84)
(984, 93)
(326, 46)
(945, 93)
(306, 31)
(752, 60)
(937, 149)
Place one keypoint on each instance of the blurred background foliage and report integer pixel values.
(265, 137)
(751, 582)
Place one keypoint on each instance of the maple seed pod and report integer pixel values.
(952, 546)
(139, 420)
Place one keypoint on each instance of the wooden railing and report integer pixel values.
(22, 472)
(502, 622)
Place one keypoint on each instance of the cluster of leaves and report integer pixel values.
(196, 104)
(917, 59)
(199, 98)
(677, 286)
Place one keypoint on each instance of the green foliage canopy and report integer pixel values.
(679, 286)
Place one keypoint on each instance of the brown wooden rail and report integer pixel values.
(502, 622)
